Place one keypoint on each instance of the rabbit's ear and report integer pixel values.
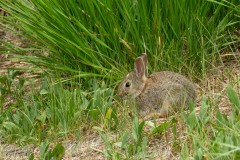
(141, 66)
(145, 61)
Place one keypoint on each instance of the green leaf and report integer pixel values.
(94, 114)
(42, 117)
(191, 106)
(135, 128)
(233, 97)
(199, 154)
(140, 127)
(191, 119)
(43, 92)
(124, 140)
(31, 156)
(58, 151)
(97, 128)
(203, 114)
(21, 82)
(108, 114)
(221, 119)
(11, 126)
(43, 149)
(162, 127)
(144, 145)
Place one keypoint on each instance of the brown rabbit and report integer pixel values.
(160, 94)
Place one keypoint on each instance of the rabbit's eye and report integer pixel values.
(127, 84)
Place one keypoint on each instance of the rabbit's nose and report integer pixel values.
(122, 95)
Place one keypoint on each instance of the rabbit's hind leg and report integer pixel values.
(171, 101)
(155, 114)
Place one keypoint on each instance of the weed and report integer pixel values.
(49, 154)
(215, 138)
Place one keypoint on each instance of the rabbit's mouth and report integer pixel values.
(127, 96)
(124, 96)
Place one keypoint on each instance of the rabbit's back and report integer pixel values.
(159, 85)
(164, 78)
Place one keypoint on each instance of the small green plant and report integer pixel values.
(214, 136)
(129, 146)
(49, 154)
(226, 142)
(11, 85)
(162, 127)
(23, 126)
(59, 111)
(138, 147)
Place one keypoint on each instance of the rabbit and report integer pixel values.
(161, 94)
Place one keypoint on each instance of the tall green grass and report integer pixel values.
(102, 38)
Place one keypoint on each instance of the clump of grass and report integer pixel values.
(213, 135)
(57, 111)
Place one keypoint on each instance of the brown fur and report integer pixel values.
(161, 94)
